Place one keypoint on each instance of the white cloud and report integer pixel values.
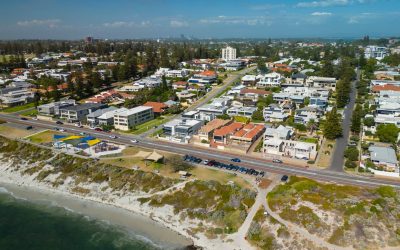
(251, 21)
(123, 24)
(51, 23)
(362, 16)
(328, 3)
(321, 13)
(178, 24)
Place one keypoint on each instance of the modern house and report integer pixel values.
(128, 119)
(321, 82)
(273, 79)
(181, 129)
(253, 94)
(375, 52)
(304, 115)
(275, 113)
(202, 78)
(53, 108)
(79, 112)
(241, 111)
(93, 118)
(209, 112)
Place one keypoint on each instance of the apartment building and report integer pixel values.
(228, 53)
(78, 113)
(132, 117)
(375, 52)
(53, 108)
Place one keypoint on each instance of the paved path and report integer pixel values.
(341, 142)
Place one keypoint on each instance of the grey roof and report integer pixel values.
(383, 154)
(99, 112)
(84, 106)
(299, 75)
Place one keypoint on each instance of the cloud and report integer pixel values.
(267, 6)
(362, 16)
(251, 20)
(321, 13)
(123, 24)
(51, 23)
(178, 24)
(328, 3)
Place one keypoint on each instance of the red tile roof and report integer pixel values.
(255, 91)
(250, 131)
(208, 73)
(158, 107)
(229, 129)
(391, 87)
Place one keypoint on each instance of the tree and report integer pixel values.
(178, 164)
(387, 133)
(332, 125)
(356, 119)
(351, 153)
(369, 121)
(258, 115)
(327, 69)
(342, 93)
(261, 65)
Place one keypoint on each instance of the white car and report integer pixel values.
(113, 137)
(34, 118)
(205, 162)
(134, 141)
(61, 130)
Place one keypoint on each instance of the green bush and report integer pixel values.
(350, 164)
(351, 153)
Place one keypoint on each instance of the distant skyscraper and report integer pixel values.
(228, 53)
(89, 39)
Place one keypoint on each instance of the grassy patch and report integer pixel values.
(43, 137)
(18, 108)
(140, 129)
(11, 132)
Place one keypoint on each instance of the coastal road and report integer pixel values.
(205, 153)
(341, 142)
(208, 97)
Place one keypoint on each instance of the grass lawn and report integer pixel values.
(30, 113)
(11, 132)
(309, 140)
(43, 137)
(140, 129)
(18, 108)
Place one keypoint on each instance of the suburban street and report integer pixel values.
(232, 77)
(204, 153)
(341, 142)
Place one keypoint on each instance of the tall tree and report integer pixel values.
(332, 126)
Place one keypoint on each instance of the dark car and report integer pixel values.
(29, 128)
(277, 161)
(24, 119)
(284, 178)
(59, 122)
(236, 160)
(98, 129)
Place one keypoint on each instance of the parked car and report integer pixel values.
(236, 160)
(34, 118)
(134, 141)
(113, 137)
(98, 129)
(205, 162)
(29, 128)
(284, 178)
(277, 161)
(24, 118)
(59, 122)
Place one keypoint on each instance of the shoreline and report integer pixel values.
(148, 228)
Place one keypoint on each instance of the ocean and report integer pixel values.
(41, 224)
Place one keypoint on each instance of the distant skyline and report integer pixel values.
(135, 19)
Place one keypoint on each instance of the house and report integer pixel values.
(206, 131)
(386, 75)
(281, 67)
(321, 82)
(209, 112)
(177, 73)
(248, 134)
(222, 135)
(181, 129)
(304, 115)
(147, 82)
(296, 80)
(130, 118)
(180, 85)
(249, 80)
(241, 111)
(375, 52)
(320, 102)
(205, 77)
(384, 157)
(253, 94)
(93, 118)
(107, 118)
(275, 113)
(386, 87)
(283, 98)
(79, 112)
(277, 142)
(233, 65)
(158, 107)
(53, 108)
(16, 93)
(105, 97)
(273, 79)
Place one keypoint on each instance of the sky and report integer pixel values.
(135, 19)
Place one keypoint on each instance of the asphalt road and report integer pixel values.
(341, 142)
(246, 161)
